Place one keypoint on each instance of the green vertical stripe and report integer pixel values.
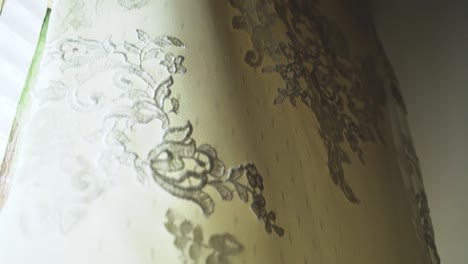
(10, 150)
(34, 68)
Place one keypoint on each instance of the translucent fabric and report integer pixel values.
(227, 131)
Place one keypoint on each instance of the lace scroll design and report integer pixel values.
(345, 97)
(144, 77)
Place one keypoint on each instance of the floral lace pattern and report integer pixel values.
(409, 163)
(131, 4)
(127, 132)
(144, 76)
(313, 63)
(190, 240)
(426, 222)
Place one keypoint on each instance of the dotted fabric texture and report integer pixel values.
(234, 131)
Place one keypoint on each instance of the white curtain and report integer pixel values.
(216, 132)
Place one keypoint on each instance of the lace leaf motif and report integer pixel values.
(144, 76)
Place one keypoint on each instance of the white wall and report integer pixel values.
(427, 42)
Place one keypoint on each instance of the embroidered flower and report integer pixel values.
(173, 63)
(254, 178)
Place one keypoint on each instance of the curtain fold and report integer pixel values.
(234, 131)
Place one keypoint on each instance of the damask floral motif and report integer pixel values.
(131, 4)
(78, 15)
(409, 164)
(185, 170)
(411, 172)
(190, 240)
(426, 223)
(143, 78)
(86, 185)
(344, 96)
(75, 14)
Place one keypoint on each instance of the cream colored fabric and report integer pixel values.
(234, 131)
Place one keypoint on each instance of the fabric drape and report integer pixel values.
(234, 131)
